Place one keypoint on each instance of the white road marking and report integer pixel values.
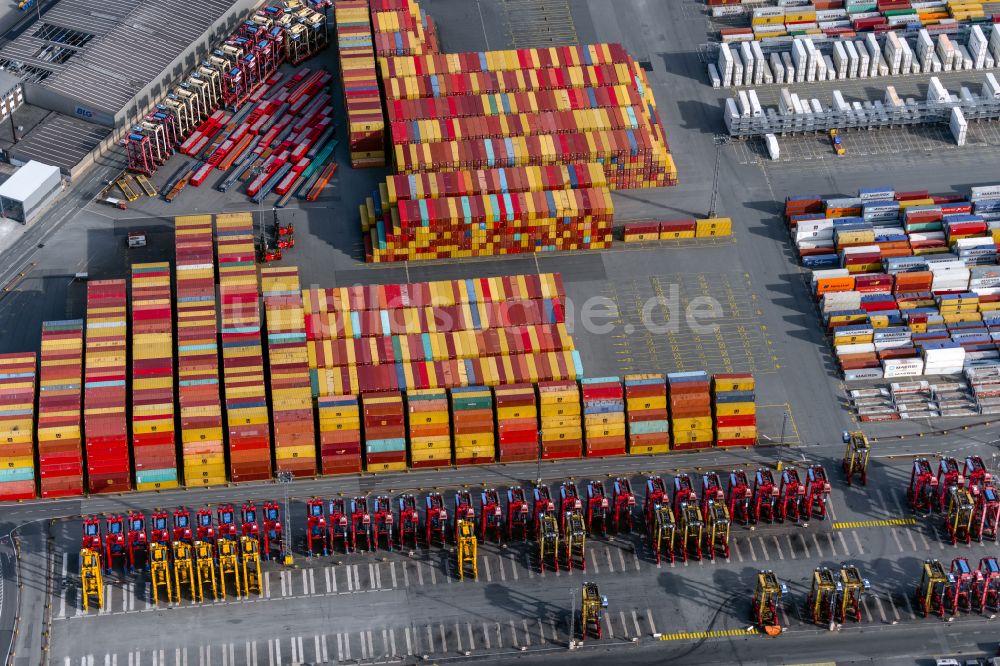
(607, 552)
(392, 573)
(753, 554)
(284, 586)
(777, 545)
(895, 537)
(649, 616)
(409, 641)
(763, 547)
(489, 573)
(843, 543)
(513, 566)
(503, 574)
(857, 541)
(881, 611)
(350, 579)
(472, 640)
(392, 641)
(819, 550)
(364, 646)
(322, 647)
(527, 634)
(486, 636)
(621, 614)
(621, 557)
(326, 577)
(340, 648)
(635, 620)
(420, 574)
(277, 641)
(513, 633)
(316, 649)
(406, 575)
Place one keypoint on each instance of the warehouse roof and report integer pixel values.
(25, 180)
(61, 140)
(101, 54)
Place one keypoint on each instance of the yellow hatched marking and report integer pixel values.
(891, 522)
(702, 635)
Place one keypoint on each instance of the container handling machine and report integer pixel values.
(822, 598)
(229, 564)
(182, 526)
(856, 455)
(435, 519)
(385, 524)
(949, 476)
(932, 589)
(204, 558)
(114, 543)
(569, 503)
(624, 505)
(711, 490)
(717, 525)
(490, 516)
(543, 504)
(159, 571)
(592, 604)
(923, 486)
(574, 540)
(854, 586)
(250, 566)
(986, 517)
(987, 594)
(466, 551)
(340, 526)
(160, 532)
(92, 538)
(409, 520)
(791, 495)
(958, 520)
(138, 545)
(204, 529)
(765, 496)
(765, 602)
(227, 523)
(184, 570)
(248, 521)
(663, 532)
(548, 542)
(597, 508)
(464, 511)
(273, 534)
(91, 580)
(361, 524)
(316, 528)
(960, 595)
(518, 514)
(976, 473)
(740, 497)
(817, 493)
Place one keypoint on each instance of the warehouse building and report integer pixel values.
(99, 66)
(26, 194)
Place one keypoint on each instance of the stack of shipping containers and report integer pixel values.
(517, 422)
(288, 362)
(472, 419)
(559, 420)
(105, 403)
(400, 28)
(429, 428)
(202, 445)
(385, 431)
(603, 416)
(17, 426)
(646, 411)
(339, 434)
(690, 410)
(366, 125)
(60, 445)
(242, 359)
(153, 443)
(735, 410)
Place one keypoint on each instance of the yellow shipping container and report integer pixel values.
(688, 436)
(716, 226)
(735, 408)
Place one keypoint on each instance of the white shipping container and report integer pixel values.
(755, 107)
(864, 65)
(713, 76)
(744, 101)
(778, 68)
(852, 60)
(773, 150)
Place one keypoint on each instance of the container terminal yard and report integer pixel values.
(649, 393)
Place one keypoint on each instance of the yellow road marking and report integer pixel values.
(891, 522)
(702, 635)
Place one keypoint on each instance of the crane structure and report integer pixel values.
(92, 537)
(340, 526)
(683, 493)
(204, 528)
(490, 515)
(466, 551)
(385, 523)
(548, 542)
(569, 503)
(949, 475)
(273, 532)
(960, 510)
(711, 490)
(226, 523)
(361, 524)
(856, 456)
(663, 532)
(464, 511)
(986, 516)
(597, 508)
(248, 521)
(854, 587)
(160, 531)
(791, 494)
(182, 526)
(592, 604)
(250, 565)
(518, 514)
(435, 519)
(623, 505)
(409, 520)
(138, 542)
(316, 528)
(656, 496)
(114, 542)
(229, 564)
(765, 496)
(923, 486)
(543, 503)
(987, 593)
(184, 570)
(690, 528)
(159, 571)
(962, 586)
(204, 566)
(766, 598)
(91, 579)
(575, 540)
(717, 524)
(932, 588)
(740, 497)
(817, 493)
(822, 598)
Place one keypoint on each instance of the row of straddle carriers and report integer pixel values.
(960, 589)
(964, 495)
